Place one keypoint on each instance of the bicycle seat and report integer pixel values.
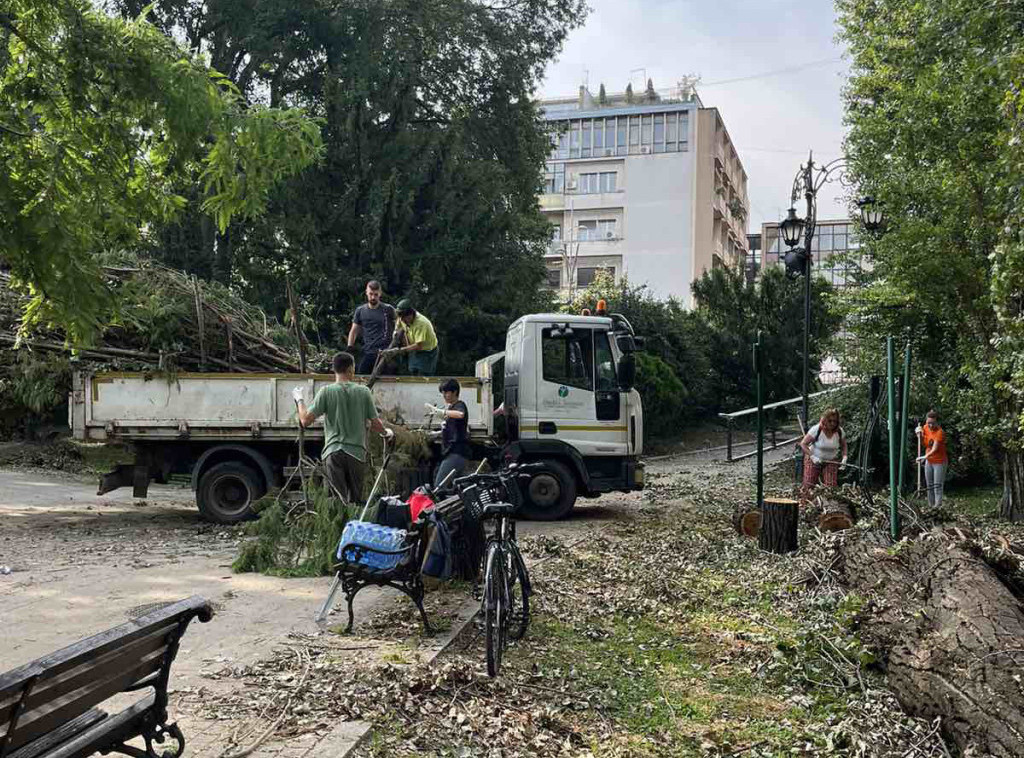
(492, 510)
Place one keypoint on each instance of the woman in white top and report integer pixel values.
(822, 446)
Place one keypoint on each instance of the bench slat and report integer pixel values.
(65, 733)
(34, 724)
(108, 733)
(51, 687)
(57, 662)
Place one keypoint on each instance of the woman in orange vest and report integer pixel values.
(935, 459)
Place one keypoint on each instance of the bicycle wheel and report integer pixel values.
(519, 593)
(495, 606)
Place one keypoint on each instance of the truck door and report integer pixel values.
(577, 400)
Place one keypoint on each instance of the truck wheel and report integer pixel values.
(550, 493)
(227, 491)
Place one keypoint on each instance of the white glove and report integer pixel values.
(918, 430)
(389, 434)
(842, 463)
(433, 409)
(299, 394)
(815, 460)
(922, 458)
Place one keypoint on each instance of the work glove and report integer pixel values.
(433, 410)
(389, 434)
(918, 430)
(389, 353)
(815, 460)
(298, 394)
(922, 458)
(842, 463)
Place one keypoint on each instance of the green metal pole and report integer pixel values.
(894, 526)
(903, 415)
(760, 420)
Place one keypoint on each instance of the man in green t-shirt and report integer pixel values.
(346, 407)
(419, 338)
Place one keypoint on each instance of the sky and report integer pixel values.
(783, 52)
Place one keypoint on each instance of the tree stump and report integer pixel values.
(836, 515)
(778, 525)
(747, 520)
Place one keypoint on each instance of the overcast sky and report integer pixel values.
(774, 119)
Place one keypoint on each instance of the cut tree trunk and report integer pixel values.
(950, 634)
(836, 515)
(778, 525)
(747, 520)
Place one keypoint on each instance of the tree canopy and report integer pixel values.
(102, 121)
(934, 105)
(434, 154)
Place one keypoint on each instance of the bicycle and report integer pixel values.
(506, 591)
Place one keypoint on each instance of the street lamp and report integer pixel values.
(809, 179)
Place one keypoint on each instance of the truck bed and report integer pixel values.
(227, 406)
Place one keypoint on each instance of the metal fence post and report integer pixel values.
(894, 526)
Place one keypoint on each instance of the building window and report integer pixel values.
(597, 182)
(620, 138)
(598, 137)
(634, 135)
(585, 275)
(585, 148)
(659, 133)
(574, 139)
(602, 229)
(554, 280)
(556, 232)
(645, 131)
(554, 181)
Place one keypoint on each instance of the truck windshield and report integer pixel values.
(569, 360)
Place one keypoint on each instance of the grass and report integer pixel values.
(975, 502)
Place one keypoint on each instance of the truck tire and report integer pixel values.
(550, 494)
(227, 491)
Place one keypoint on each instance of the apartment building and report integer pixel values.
(835, 251)
(645, 186)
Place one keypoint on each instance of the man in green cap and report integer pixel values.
(419, 338)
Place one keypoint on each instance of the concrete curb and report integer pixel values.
(346, 736)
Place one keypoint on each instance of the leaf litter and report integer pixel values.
(660, 633)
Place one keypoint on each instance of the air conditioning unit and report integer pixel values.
(645, 149)
(608, 152)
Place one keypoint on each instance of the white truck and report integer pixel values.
(567, 398)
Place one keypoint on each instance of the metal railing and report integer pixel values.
(730, 421)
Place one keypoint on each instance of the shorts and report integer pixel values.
(423, 362)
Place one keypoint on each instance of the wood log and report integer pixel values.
(950, 635)
(747, 519)
(836, 515)
(779, 525)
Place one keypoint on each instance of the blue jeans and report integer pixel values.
(423, 362)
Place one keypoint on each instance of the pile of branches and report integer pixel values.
(165, 319)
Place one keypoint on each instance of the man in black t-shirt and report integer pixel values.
(376, 322)
(455, 447)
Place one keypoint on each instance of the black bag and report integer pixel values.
(393, 512)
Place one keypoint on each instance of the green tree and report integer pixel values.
(734, 309)
(934, 108)
(101, 121)
(434, 153)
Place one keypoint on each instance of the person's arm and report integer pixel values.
(842, 439)
(805, 444)
(306, 415)
(371, 415)
(353, 334)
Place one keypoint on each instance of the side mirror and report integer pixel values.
(626, 343)
(627, 371)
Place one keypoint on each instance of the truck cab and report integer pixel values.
(569, 401)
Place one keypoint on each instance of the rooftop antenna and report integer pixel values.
(643, 80)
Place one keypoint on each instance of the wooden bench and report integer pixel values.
(48, 708)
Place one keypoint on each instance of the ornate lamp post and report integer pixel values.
(809, 179)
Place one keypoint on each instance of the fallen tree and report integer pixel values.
(950, 632)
